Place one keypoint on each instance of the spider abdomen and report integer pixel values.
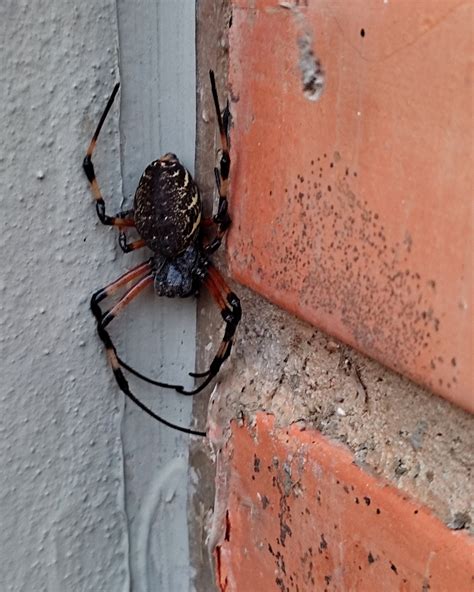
(167, 207)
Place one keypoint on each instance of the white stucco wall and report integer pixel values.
(63, 515)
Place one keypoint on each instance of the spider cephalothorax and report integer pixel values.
(181, 275)
(167, 215)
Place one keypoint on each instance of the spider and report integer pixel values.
(167, 215)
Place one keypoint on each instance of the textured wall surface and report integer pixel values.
(61, 499)
(93, 497)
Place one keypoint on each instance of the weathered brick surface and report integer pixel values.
(354, 211)
(301, 516)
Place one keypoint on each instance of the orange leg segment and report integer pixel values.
(120, 220)
(231, 312)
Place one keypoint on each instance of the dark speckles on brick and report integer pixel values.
(256, 464)
(352, 276)
(281, 584)
(323, 544)
(367, 500)
(387, 302)
(370, 558)
(393, 568)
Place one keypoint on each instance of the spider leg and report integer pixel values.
(121, 220)
(128, 247)
(133, 274)
(125, 388)
(221, 219)
(142, 273)
(231, 313)
(104, 319)
(132, 293)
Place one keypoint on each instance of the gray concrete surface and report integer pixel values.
(68, 522)
(396, 430)
(63, 525)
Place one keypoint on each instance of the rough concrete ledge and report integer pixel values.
(395, 429)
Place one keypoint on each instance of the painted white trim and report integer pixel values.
(157, 335)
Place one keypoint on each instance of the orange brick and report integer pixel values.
(301, 516)
(355, 211)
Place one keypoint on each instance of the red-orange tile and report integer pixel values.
(355, 212)
(301, 516)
